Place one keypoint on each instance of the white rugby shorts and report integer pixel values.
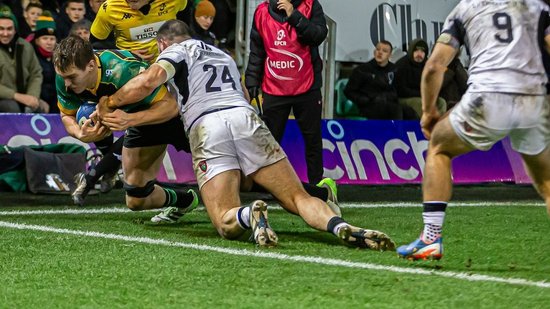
(482, 119)
(231, 139)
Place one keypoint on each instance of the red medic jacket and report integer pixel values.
(284, 56)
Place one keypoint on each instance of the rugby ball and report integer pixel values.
(84, 112)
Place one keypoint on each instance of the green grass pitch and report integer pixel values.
(54, 255)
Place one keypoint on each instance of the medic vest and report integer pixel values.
(287, 69)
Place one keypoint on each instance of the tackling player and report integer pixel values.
(229, 140)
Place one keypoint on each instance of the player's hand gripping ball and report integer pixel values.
(84, 112)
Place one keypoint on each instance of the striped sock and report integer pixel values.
(433, 215)
(171, 197)
(243, 217)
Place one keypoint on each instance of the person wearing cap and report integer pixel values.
(20, 73)
(409, 73)
(204, 15)
(43, 40)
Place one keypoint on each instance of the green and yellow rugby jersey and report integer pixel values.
(115, 69)
(133, 29)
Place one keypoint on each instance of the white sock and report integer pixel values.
(433, 225)
(243, 217)
(337, 228)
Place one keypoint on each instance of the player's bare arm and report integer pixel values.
(547, 43)
(159, 112)
(432, 79)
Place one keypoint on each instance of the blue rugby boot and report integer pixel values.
(419, 250)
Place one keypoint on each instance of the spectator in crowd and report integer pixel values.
(30, 15)
(409, 73)
(43, 40)
(21, 74)
(281, 28)
(455, 82)
(371, 87)
(92, 7)
(204, 15)
(135, 24)
(82, 29)
(73, 12)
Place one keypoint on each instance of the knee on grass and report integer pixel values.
(229, 229)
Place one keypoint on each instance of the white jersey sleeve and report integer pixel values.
(503, 39)
(203, 77)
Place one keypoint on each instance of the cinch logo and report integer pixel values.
(280, 35)
(295, 62)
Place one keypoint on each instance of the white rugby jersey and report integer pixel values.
(503, 38)
(204, 78)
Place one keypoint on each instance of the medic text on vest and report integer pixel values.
(279, 64)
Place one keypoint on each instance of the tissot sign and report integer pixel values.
(362, 23)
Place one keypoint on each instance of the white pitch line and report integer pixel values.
(451, 204)
(109, 210)
(280, 256)
(78, 211)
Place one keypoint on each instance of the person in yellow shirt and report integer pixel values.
(135, 23)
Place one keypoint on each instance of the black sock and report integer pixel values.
(178, 197)
(333, 222)
(109, 164)
(318, 192)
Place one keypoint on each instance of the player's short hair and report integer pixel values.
(72, 50)
(172, 29)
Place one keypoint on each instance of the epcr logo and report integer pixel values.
(280, 35)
